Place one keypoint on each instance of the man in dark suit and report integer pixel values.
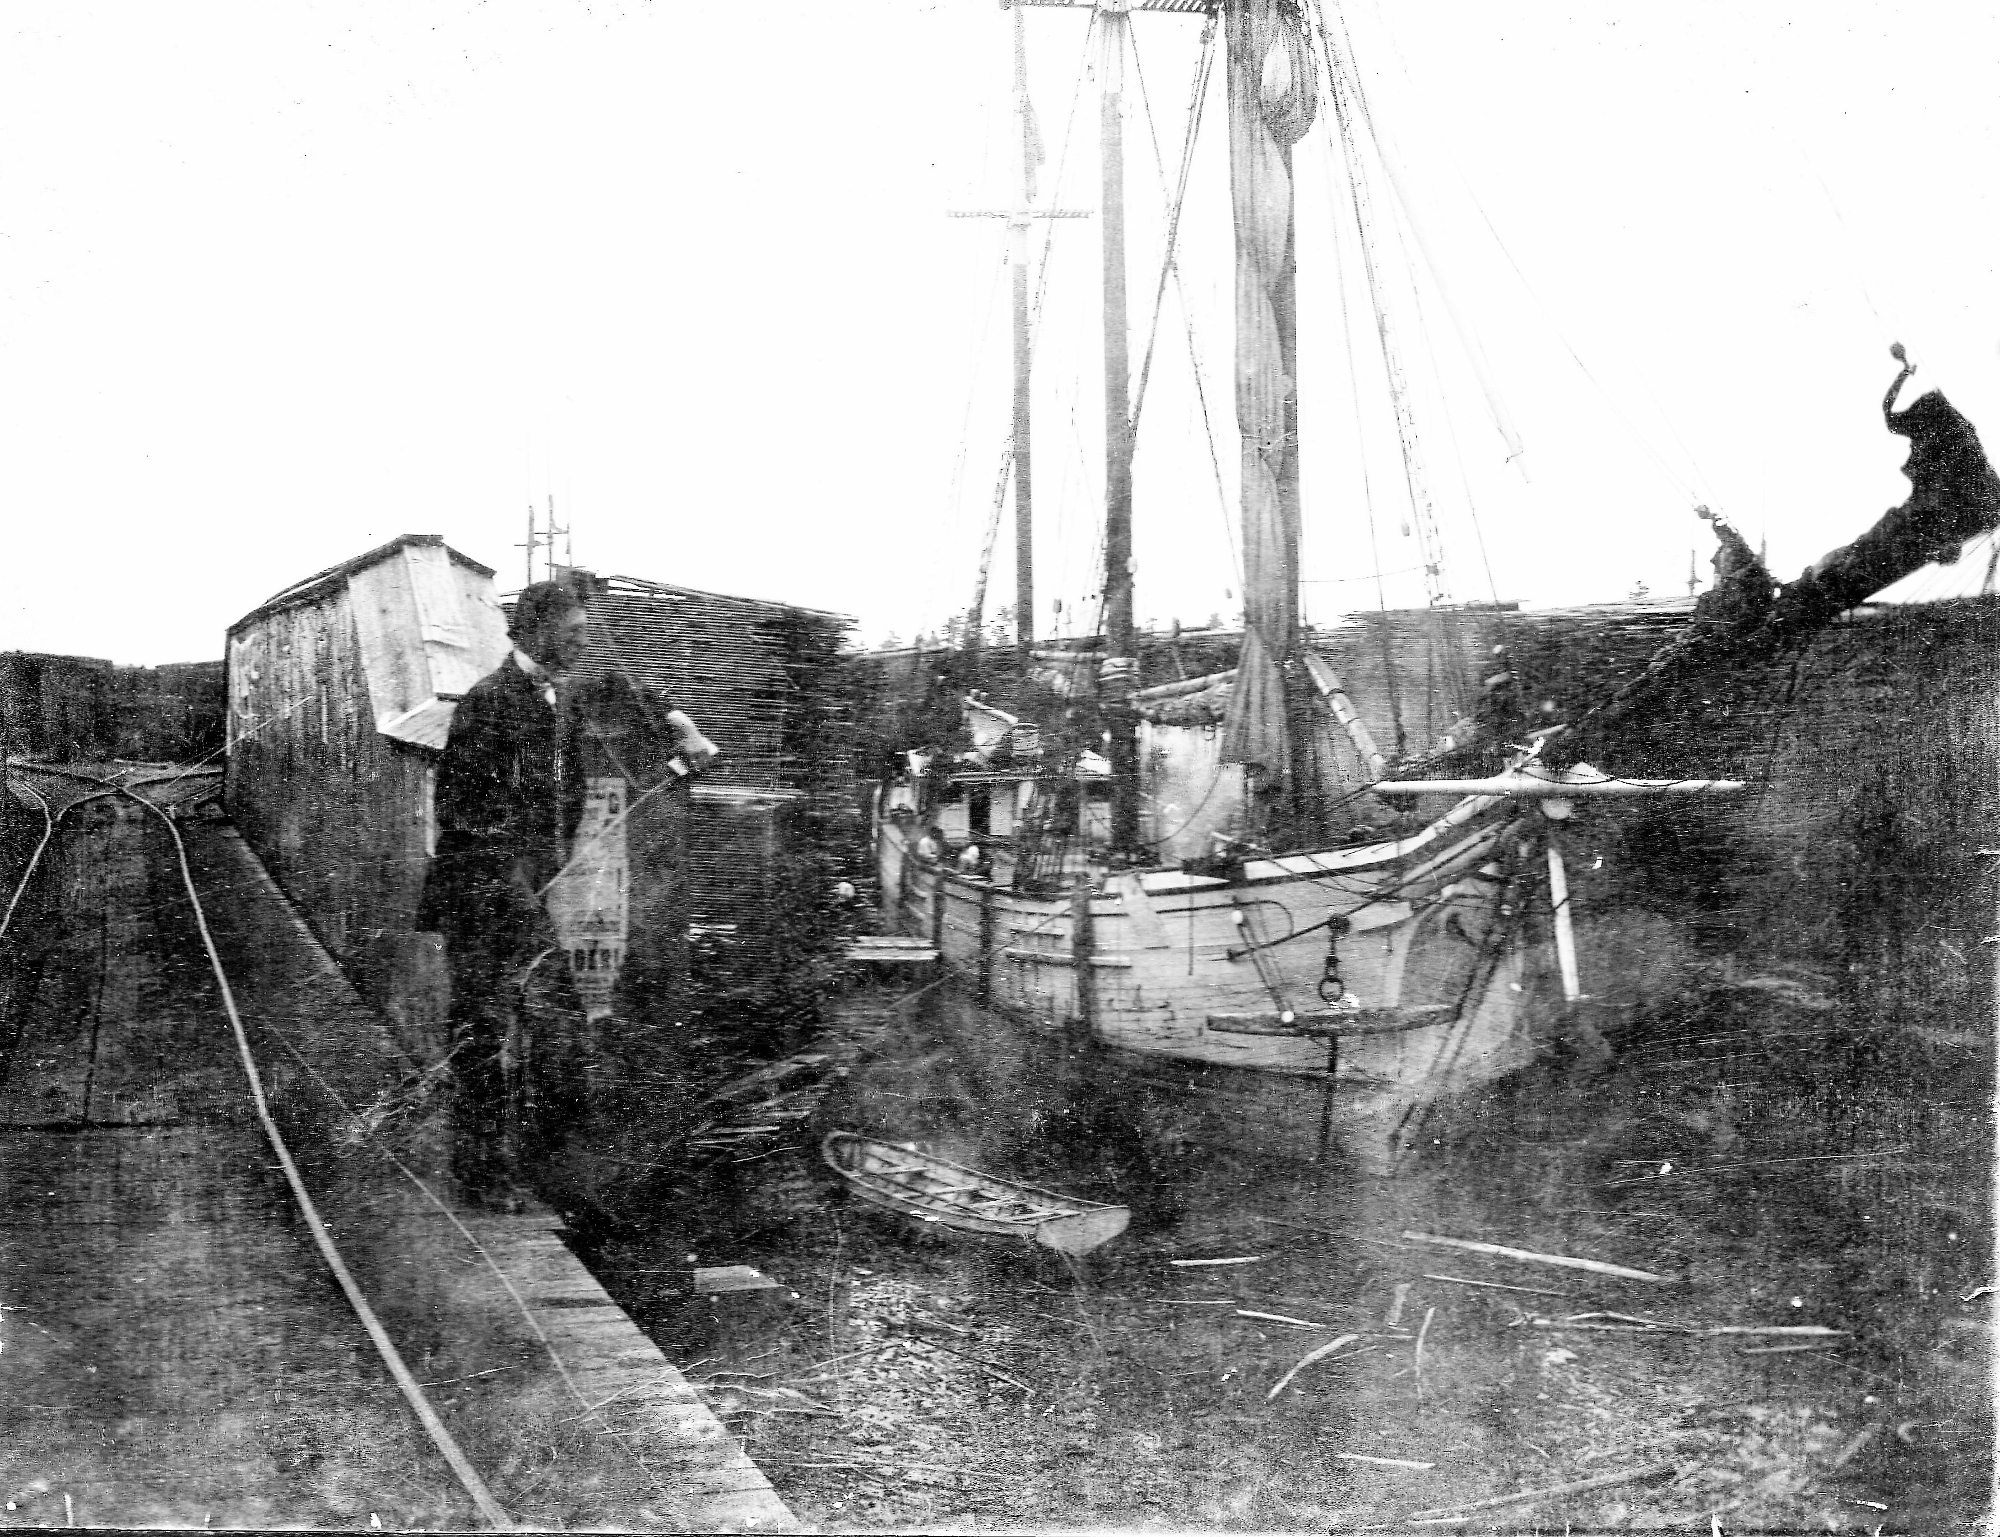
(509, 793)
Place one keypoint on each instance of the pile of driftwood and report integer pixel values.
(764, 1109)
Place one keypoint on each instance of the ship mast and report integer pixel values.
(1017, 257)
(1120, 672)
(1020, 444)
(1118, 675)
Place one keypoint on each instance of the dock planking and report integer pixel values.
(654, 1454)
(177, 1352)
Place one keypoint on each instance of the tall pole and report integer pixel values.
(1120, 675)
(1017, 463)
(1017, 254)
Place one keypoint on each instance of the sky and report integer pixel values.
(278, 283)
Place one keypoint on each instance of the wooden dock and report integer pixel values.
(173, 1349)
(891, 950)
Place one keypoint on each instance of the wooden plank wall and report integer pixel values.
(338, 812)
(78, 708)
(732, 664)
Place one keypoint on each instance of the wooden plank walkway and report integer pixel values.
(891, 950)
(173, 1349)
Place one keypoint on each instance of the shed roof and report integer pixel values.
(320, 583)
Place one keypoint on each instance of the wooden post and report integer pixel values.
(937, 915)
(1020, 447)
(1565, 930)
(1082, 946)
(986, 942)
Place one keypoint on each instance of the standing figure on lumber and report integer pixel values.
(509, 793)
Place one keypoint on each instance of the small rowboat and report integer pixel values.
(932, 1189)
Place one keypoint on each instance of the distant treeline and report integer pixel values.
(81, 708)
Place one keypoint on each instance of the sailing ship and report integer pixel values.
(1301, 991)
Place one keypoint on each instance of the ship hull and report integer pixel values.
(1207, 993)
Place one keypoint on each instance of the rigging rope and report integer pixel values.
(1679, 482)
(1167, 266)
(316, 1226)
(1474, 354)
(1644, 443)
(1368, 500)
(1440, 633)
(1004, 472)
(1170, 268)
(965, 436)
(1338, 87)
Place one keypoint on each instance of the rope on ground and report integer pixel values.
(444, 1209)
(405, 1380)
(34, 859)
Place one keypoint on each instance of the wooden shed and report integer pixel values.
(340, 689)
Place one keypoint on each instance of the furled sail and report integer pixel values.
(1273, 88)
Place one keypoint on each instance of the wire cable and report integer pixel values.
(1168, 270)
(406, 1382)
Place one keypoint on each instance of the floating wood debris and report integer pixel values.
(1330, 1232)
(1778, 1350)
(977, 1363)
(1240, 1259)
(1400, 1296)
(1625, 1323)
(1553, 1492)
(1597, 1323)
(903, 1178)
(1498, 1286)
(1417, 1356)
(1383, 1462)
(1307, 1360)
(1502, 1251)
(1278, 1318)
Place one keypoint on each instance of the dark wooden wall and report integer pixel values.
(338, 813)
(80, 708)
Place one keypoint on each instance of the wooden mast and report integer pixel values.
(1017, 255)
(1020, 445)
(1120, 674)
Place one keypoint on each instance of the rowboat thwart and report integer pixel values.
(903, 1178)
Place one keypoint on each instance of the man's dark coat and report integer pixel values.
(510, 785)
